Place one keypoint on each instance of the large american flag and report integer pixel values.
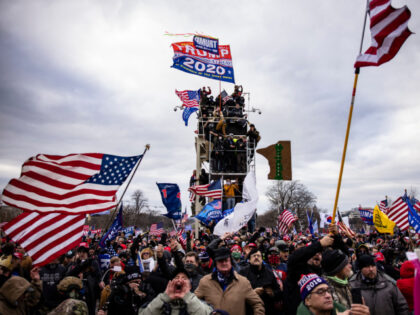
(189, 98)
(212, 190)
(46, 236)
(72, 184)
(389, 30)
(286, 218)
(156, 229)
(398, 213)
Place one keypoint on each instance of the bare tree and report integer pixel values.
(292, 195)
(140, 202)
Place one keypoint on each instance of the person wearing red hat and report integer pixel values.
(406, 283)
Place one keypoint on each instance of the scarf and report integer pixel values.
(338, 280)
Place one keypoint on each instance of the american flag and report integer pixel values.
(156, 229)
(225, 96)
(343, 227)
(383, 206)
(189, 98)
(286, 218)
(399, 213)
(182, 236)
(389, 30)
(72, 184)
(212, 190)
(45, 237)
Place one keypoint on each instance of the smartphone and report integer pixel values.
(356, 294)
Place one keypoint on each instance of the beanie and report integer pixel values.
(309, 282)
(365, 261)
(333, 261)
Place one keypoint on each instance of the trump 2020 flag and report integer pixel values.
(242, 212)
(189, 59)
(211, 212)
(171, 198)
(413, 217)
(113, 231)
(70, 184)
(366, 215)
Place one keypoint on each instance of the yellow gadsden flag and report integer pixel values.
(381, 221)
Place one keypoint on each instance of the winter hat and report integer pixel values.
(365, 261)
(333, 261)
(132, 273)
(221, 253)
(203, 256)
(309, 282)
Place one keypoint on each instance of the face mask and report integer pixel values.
(190, 267)
(236, 255)
(273, 260)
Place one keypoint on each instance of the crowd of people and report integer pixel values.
(223, 124)
(239, 273)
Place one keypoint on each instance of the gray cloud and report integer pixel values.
(95, 77)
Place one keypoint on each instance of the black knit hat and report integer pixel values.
(333, 261)
(365, 261)
(221, 253)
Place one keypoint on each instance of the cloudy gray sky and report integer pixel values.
(94, 76)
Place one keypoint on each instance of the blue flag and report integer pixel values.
(171, 198)
(311, 228)
(113, 231)
(366, 215)
(227, 212)
(211, 212)
(186, 113)
(206, 43)
(413, 217)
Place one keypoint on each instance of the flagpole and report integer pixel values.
(343, 157)
(128, 184)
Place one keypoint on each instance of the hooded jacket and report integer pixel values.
(12, 290)
(383, 296)
(406, 283)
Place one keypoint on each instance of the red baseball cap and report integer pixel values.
(379, 257)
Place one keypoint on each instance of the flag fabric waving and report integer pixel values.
(413, 217)
(171, 198)
(389, 30)
(156, 229)
(383, 206)
(46, 236)
(381, 221)
(343, 227)
(366, 215)
(189, 98)
(399, 213)
(212, 190)
(186, 113)
(211, 212)
(286, 218)
(114, 229)
(72, 184)
(243, 211)
(189, 59)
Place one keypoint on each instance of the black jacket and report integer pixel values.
(263, 278)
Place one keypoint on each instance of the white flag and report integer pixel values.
(242, 212)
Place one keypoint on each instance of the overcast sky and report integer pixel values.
(94, 76)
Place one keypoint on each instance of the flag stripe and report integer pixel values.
(75, 183)
(398, 213)
(45, 236)
(285, 219)
(389, 30)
